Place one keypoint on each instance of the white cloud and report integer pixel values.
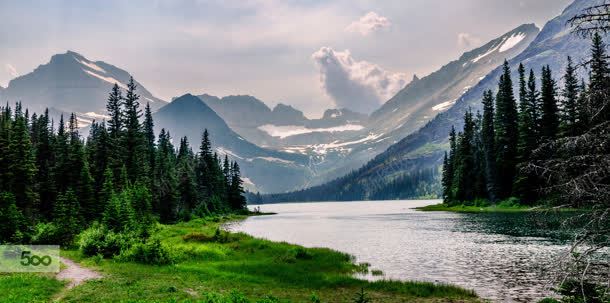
(358, 85)
(467, 41)
(11, 70)
(369, 23)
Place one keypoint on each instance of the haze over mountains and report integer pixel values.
(424, 148)
(279, 148)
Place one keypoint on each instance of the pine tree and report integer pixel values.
(506, 133)
(464, 175)
(45, 178)
(569, 117)
(11, 218)
(487, 140)
(115, 123)
(187, 185)
(203, 171)
(446, 179)
(450, 168)
(549, 116)
(599, 83)
(66, 216)
(6, 125)
(133, 140)
(166, 184)
(236, 190)
(149, 138)
(22, 166)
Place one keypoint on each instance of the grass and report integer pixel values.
(476, 209)
(28, 287)
(211, 265)
(506, 206)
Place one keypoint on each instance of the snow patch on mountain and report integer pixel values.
(95, 115)
(293, 130)
(107, 79)
(273, 159)
(489, 52)
(443, 105)
(90, 65)
(511, 41)
(224, 151)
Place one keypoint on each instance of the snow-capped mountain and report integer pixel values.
(264, 170)
(417, 103)
(283, 126)
(425, 147)
(72, 83)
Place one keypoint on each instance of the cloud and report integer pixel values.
(11, 70)
(466, 40)
(369, 23)
(358, 85)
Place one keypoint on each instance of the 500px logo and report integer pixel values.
(29, 258)
(35, 260)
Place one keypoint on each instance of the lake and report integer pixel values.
(504, 257)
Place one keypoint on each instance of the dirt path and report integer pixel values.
(75, 273)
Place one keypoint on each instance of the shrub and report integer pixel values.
(11, 218)
(575, 291)
(99, 240)
(302, 253)
(150, 252)
(361, 297)
(46, 233)
(197, 237)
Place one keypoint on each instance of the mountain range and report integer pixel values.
(279, 148)
(424, 148)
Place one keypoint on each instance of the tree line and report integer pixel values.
(54, 184)
(505, 151)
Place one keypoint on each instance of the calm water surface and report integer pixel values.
(503, 257)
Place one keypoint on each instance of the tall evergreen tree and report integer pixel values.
(149, 138)
(165, 190)
(599, 83)
(549, 115)
(113, 106)
(44, 163)
(464, 175)
(506, 133)
(236, 190)
(488, 142)
(133, 140)
(569, 116)
(22, 166)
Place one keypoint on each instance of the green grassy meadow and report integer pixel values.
(217, 266)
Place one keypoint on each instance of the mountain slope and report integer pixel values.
(189, 116)
(418, 102)
(72, 83)
(424, 149)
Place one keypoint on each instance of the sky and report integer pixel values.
(312, 55)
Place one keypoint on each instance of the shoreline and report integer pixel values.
(237, 264)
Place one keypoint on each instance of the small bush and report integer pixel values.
(99, 240)
(376, 272)
(361, 297)
(549, 300)
(302, 254)
(197, 237)
(46, 233)
(510, 202)
(150, 252)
